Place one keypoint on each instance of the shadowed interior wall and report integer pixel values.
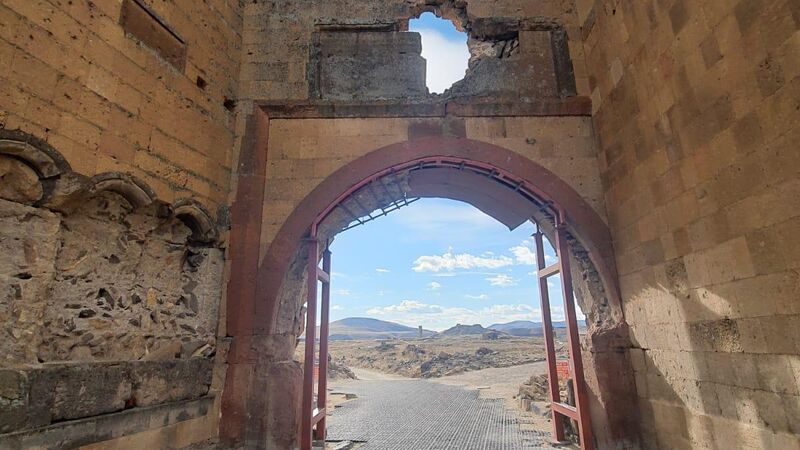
(697, 106)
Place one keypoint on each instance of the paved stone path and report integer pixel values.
(419, 414)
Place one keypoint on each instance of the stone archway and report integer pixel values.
(264, 337)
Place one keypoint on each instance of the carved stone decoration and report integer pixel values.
(195, 216)
(27, 164)
(137, 192)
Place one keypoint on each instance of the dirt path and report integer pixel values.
(502, 382)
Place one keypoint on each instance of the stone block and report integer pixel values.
(353, 65)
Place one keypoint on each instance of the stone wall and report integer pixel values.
(527, 63)
(303, 152)
(116, 134)
(105, 307)
(76, 78)
(697, 111)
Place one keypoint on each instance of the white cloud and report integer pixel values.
(446, 60)
(436, 317)
(501, 280)
(434, 285)
(382, 270)
(524, 253)
(449, 262)
(337, 308)
(406, 306)
(477, 297)
(342, 292)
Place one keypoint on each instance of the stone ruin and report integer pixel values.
(162, 162)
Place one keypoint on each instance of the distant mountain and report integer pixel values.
(515, 324)
(353, 328)
(463, 330)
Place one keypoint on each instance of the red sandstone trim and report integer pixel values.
(246, 214)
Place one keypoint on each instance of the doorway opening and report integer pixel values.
(435, 296)
(499, 194)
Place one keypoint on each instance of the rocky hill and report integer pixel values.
(464, 330)
(364, 328)
(529, 328)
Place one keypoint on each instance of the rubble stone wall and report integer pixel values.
(697, 111)
(116, 135)
(510, 42)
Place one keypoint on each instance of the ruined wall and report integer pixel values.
(116, 130)
(107, 306)
(280, 35)
(697, 112)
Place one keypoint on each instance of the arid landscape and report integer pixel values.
(495, 365)
(462, 348)
(499, 364)
(437, 356)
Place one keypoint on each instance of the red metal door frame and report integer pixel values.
(312, 424)
(314, 415)
(580, 411)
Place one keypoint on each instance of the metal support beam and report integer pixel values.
(549, 271)
(322, 387)
(575, 359)
(550, 349)
(580, 411)
(307, 405)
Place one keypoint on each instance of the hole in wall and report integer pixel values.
(229, 104)
(444, 49)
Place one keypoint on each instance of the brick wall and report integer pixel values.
(697, 110)
(108, 102)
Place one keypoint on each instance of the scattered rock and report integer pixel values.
(86, 313)
(385, 346)
(535, 389)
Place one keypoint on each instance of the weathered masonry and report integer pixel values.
(161, 163)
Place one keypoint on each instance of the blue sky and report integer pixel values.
(436, 263)
(444, 49)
